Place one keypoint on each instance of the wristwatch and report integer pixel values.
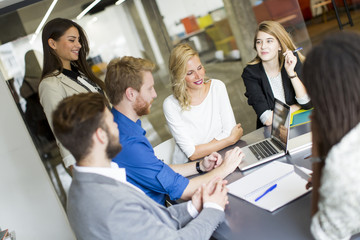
(198, 168)
(293, 76)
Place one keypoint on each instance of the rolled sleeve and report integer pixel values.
(189, 150)
(303, 100)
(173, 183)
(265, 116)
(147, 172)
(69, 160)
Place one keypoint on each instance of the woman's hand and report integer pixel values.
(269, 120)
(236, 133)
(290, 62)
(294, 108)
(309, 183)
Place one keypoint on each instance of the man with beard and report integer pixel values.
(130, 88)
(102, 204)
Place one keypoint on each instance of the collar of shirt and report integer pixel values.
(114, 172)
(73, 73)
(126, 125)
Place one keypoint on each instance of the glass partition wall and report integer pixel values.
(217, 29)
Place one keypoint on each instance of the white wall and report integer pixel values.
(28, 203)
(112, 34)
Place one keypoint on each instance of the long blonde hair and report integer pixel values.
(276, 30)
(179, 57)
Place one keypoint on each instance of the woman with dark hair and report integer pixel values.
(65, 70)
(332, 76)
(274, 73)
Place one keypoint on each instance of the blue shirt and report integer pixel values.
(143, 168)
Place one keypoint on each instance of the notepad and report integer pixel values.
(289, 186)
(300, 117)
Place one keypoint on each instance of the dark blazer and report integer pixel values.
(258, 89)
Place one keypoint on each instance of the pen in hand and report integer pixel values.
(266, 192)
(298, 49)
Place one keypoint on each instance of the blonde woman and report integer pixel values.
(274, 73)
(199, 112)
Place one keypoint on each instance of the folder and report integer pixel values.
(300, 117)
(289, 186)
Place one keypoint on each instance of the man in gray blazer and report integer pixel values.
(102, 204)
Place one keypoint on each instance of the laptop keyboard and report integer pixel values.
(262, 150)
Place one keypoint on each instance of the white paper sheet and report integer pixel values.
(289, 186)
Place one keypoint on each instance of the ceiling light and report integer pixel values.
(86, 10)
(119, 2)
(47, 14)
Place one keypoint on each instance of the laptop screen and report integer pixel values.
(281, 123)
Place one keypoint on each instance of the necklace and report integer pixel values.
(274, 77)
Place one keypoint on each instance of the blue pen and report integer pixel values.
(298, 49)
(266, 192)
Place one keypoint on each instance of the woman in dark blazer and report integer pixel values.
(274, 73)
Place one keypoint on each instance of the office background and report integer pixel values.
(220, 30)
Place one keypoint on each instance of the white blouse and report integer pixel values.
(213, 118)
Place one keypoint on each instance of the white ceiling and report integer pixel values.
(32, 15)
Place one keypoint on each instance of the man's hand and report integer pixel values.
(215, 191)
(212, 161)
(196, 199)
(232, 159)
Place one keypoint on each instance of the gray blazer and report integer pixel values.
(103, 208)
(51, 91)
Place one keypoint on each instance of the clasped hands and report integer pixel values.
(215, 191)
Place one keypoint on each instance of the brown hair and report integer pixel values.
(52, 65)
(123, 73)
(331, 75)
(276, 30)
(76, 119)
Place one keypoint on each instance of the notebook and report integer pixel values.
(254, 186)
(273, 147)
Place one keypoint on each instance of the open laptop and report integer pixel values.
(273, 147)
